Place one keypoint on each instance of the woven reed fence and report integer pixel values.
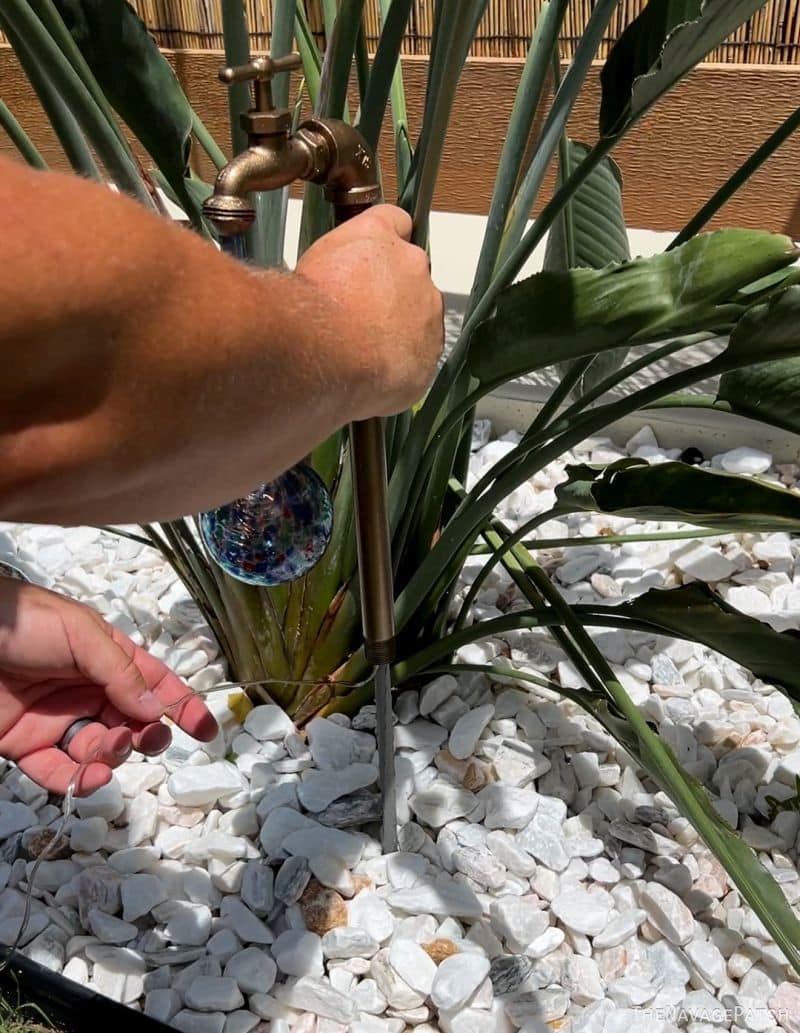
(772, 36)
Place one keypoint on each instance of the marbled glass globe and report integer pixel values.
(276, 533)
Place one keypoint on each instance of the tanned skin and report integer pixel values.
(145, 375)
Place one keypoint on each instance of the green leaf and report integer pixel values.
(677, 491)
(590, 233)
(767, 391)
(138, 81)
(598, 221)
(658, 48)
(554, 316)
(696, 613)
(20, 138)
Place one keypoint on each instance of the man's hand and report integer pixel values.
(60, 662)
(387, 303)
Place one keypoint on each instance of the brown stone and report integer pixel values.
(362, 882)
(36, 841)
(438, 950)
(477, 776)
(323, 909)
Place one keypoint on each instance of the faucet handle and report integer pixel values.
(263, 119)
(260, 69)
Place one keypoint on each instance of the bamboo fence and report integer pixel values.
(772, 36)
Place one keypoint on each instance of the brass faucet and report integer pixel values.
(333, 153)
(322, 150)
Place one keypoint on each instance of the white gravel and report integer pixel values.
(541, 883)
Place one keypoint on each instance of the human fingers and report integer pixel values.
(95, 742)
(46, 720)
(386, 217)
(150, 739)
(178, 702)
(54, 771)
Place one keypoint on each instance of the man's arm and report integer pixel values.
(144, 375)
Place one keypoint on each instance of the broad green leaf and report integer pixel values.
(137, 80)
(590, 233)
(696, 613)
(658, 48)
(554, 316)
(767, 391)
(677, 491)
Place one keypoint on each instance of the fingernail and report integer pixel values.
(122, 750)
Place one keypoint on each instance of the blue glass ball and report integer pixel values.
(275, 534)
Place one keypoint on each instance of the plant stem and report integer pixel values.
(207, 141)
(20, 138)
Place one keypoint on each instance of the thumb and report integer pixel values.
(390, 218)
(112, 666)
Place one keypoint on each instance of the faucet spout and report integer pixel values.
(269, 164)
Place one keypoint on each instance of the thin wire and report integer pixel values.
(69, 798)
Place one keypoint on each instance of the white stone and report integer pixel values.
(436, 692)
(668, 913)
(581, 911)
(213, 993)
(368, 912)
(332, 872)
(199, 1022)
(15, 817)
(117, 973)
(413, 965)
(318, 790)
(468, 729)
(193, 786)
(218, 845)
(334, 747)
(708, 960)
(241, 1022)
(745, 460)
(105, 803)
(88, 834)
(443, 897)
(544, 839)
(404, 870)
(298, 953)
(162, 1005)
(702, 562)
(321, 999)
(518, 920)
(349, 942)
(109, 929)
(442, 803)
(419, 735)
(140, 894)
(184, 923)
(508, 807)
(268, 722)
(247, 926)
(619, 929)
(457, 979)
(311, 842)
(785, 1007)
(135, 779)
(253, 970)
(545, 944)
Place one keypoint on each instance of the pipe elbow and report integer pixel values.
(349, 172)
